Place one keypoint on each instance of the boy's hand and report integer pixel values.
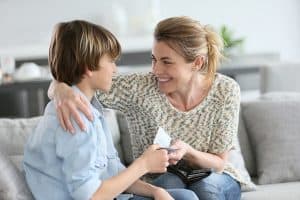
(156, 161)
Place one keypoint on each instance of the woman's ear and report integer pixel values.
(198, 63)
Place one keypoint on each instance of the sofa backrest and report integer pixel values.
(282, 77)
(246, 147)
(14, 134)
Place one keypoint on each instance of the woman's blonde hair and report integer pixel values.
(191, 39)
(77, 45)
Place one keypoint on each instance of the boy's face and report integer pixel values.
(102, 78)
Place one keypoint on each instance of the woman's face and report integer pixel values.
(173, 73)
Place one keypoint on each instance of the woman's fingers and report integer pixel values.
(173, 162)
(84, 107)
(61, 119)
(66, 118)
(75, 114)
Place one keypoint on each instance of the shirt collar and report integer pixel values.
(94, 104)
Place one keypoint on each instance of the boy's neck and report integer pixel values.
(86, 90)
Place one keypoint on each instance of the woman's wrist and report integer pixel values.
(190, 152)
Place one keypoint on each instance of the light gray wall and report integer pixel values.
(268, 25)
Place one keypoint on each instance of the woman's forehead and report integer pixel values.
(163, 50)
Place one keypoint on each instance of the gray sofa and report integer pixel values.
(269, 136)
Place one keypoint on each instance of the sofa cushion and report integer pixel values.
(236, 159)
(278, 191)
(246, 147)
(281, 96)
(125, 138)
(112, 122)
(273, 127)
(12, 182)
(14, 133)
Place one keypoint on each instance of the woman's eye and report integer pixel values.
(167, 63)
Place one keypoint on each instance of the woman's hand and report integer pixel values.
(68, 103)
(161, 194)
(155, 161)
(182, 149)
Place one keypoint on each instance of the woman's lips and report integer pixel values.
(163, 80)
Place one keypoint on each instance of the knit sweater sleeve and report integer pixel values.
(122, 93)
(227, 123)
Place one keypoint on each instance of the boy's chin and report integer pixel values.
(105, 90)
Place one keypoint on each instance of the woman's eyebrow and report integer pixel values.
(165, 58)
(162, 58)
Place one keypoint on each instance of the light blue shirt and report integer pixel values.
(62, 166)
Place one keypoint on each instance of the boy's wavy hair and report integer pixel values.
(78, 45)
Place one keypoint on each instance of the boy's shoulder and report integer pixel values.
(51, 117)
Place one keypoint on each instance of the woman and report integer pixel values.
(186, 97)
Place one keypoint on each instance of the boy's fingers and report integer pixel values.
(155, 146)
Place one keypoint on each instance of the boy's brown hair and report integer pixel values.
(78, 45)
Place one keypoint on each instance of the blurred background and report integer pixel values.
(259, 33)
(269, 26)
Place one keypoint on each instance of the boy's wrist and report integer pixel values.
(142, 164)
(156, 192)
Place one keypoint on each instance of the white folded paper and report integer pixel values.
(162, 138)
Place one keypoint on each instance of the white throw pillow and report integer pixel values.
(12, 182)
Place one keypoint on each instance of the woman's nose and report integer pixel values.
(155, 68)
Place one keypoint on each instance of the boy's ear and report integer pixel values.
(88, 72)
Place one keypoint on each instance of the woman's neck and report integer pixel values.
(190, 96)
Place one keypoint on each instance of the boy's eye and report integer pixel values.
(167, 62)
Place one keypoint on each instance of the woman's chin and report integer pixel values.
(164, 89)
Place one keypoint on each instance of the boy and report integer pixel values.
(85, 165)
